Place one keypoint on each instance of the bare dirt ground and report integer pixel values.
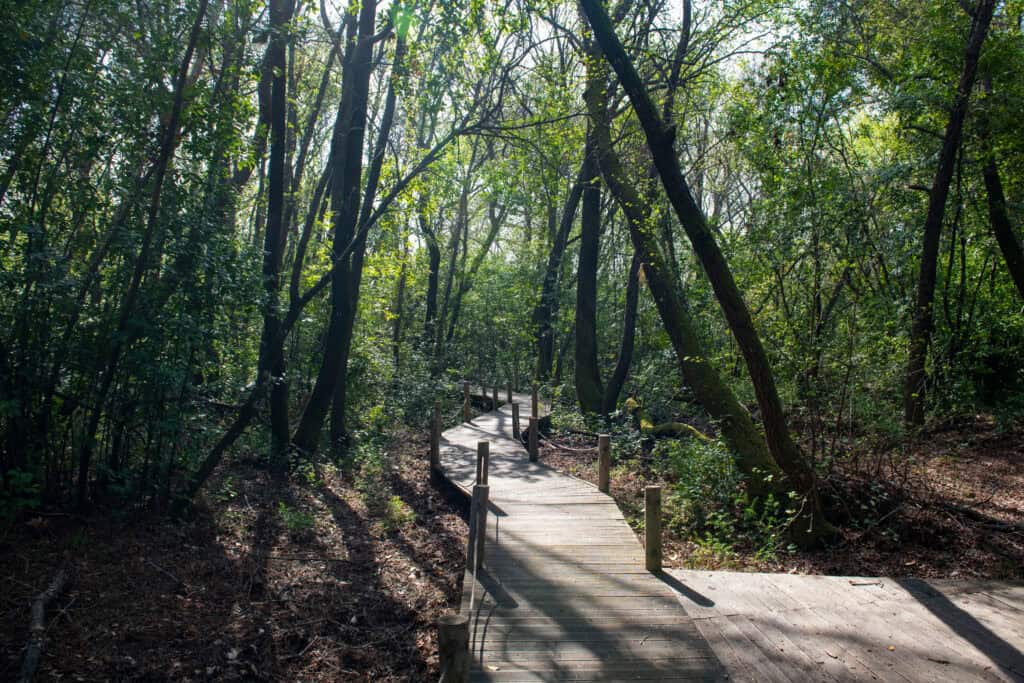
(324, 589)
(950, 504)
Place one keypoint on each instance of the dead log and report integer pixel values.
(37, 623)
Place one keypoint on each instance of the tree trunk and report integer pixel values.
(625, 359)
(544, 312)
(587, 374)
(660, 140)
(921, 330)
(999, 219)
(339, 434)
(347, 156)
(271, 360)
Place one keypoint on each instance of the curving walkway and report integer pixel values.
(563, 596)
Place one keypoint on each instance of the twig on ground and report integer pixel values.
(37, 623)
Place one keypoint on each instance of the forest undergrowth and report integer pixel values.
(331, 576)
(949, 503)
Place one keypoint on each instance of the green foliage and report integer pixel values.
(397, 515)
(19, 491)
(298, 523)
(708, 502)
(371, 478)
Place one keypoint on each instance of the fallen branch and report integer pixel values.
(37, 623)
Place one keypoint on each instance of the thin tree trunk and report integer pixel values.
(271, 360)
(587, 375)
(547, 306)
(347, 156)
(625, 359)
(339, 434)
(168, 145)
(999, 219)
(921, 330)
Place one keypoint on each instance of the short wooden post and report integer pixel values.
(435, 437)
(515, 422)
(453, 647)
(652, 528)
(465, 401)
(508, 391)
(532, 441)
(604, 462)
(535, 412)
(477, 527)
(483, 460)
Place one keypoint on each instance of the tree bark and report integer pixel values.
(625, 359)
(271, 359)
(587, 374)
(347, 157)
(999, 219)
(339, 433)
(544, 312)
(921, 330)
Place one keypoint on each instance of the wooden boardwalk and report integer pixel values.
(564, 596)
(782, 627)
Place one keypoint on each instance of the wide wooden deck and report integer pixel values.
(782, 627)
(564, 596)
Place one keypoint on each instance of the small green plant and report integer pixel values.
(295, 521)
(371, 478)
(397, 515)
(226, 491)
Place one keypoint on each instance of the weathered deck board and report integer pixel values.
(854, 629)
(564, 595)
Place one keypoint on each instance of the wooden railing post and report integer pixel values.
(508, 391)
(465, 400)
(477, 527)
(532, 441)
(453, 647)
(535, 411)
(652, 528)
(483, 461)
(515, 422)
(495, 395)
(435, 437)
(604, 462)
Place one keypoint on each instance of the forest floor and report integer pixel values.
(331, 577)
(950, 504)
(316, 580)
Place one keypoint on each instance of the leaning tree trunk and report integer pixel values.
(660, 141)
(921, 330)
(737, 427)
(999, 219)
(168, 146)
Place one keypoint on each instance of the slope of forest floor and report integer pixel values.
(320, 579)
(949, 504)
